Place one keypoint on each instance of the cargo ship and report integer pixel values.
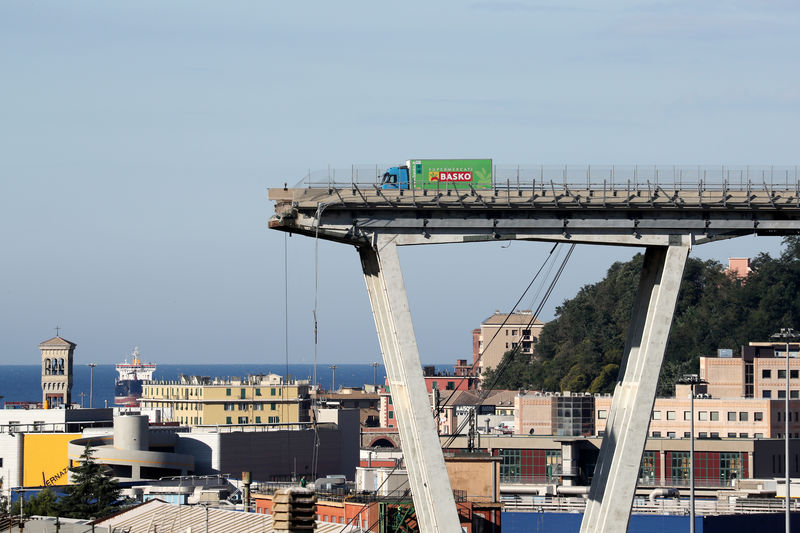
(128, 385)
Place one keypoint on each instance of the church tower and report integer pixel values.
(57, 372)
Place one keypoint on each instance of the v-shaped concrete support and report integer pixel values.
(430, 484)
(611, 495)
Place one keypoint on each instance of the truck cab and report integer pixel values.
(395, 178)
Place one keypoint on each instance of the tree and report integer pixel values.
(93, 492)
(41, 504)
(581, 349)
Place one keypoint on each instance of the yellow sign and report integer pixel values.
(46, 461)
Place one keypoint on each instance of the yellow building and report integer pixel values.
(257, 399)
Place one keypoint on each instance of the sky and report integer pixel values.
(138, 141)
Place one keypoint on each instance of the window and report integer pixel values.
(702, 415)
(656, 415)
(451, 385)
(742, 416)
(242, 420)
(793, 374)
(227, 392)
(242, 394)
(435, 385)
(228, 420)
(781, 393)
(731, 435)
(766, 394)
(602, 414)
(758, 435)
(766, 374)
(793, 394)
(714, 416)
(758, 416)
(258, 420)
(273, 420)
(687, 415)
(670, 434)
(714, 435)
(272, 392)
(686, 434)
(731, 416)
(702, 435)
(670, 415)
(781, 374)
(513, 332)
(743, 435)
(679, 466)
(272, 406)
(391, 414)
(258, 392)
(657, 434)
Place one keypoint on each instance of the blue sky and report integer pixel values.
(139, 139)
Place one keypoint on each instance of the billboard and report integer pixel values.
(445, 174)
(45, 458)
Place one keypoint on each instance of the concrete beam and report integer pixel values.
(430, 484)
(611, 496)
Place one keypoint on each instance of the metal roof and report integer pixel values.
(156, 515)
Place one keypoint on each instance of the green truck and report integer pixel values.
(440, 174)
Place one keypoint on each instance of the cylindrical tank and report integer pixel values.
(132, 432)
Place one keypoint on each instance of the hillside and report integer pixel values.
(581, 349)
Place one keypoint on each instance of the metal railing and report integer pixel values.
(642, 505)
(591, 177)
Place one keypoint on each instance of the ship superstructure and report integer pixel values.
(128, 385)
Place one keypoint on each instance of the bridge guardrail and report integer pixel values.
(591, 177)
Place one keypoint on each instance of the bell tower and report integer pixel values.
(57, 372)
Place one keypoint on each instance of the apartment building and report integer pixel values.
(256, 399)
(502, 332)
(758, 371)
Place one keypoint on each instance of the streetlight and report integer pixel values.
(375, 374)
(91, 383)
(333, 386)
(691, 380)
(786, 335)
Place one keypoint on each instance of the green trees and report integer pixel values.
(581, 349)
(41, 504)
(93, 492)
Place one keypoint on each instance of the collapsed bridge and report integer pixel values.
(614, 206)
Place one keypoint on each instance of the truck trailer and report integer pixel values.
(440, 174)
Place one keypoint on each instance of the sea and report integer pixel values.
(22, 383)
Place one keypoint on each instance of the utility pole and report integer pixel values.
(786, 335)
(692, 380)
(333, 386)
(91, 384)
(375, 373)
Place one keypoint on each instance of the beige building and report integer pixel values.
(759, 371)
(57, 372)
(502, 332)
(257, 399)
(714, 418)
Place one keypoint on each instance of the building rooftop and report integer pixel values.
(522, 317)
(57, 342)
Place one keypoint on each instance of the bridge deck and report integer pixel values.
(552, 196)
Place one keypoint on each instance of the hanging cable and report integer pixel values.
(315, 452)
(506, 361)
(476, 363)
